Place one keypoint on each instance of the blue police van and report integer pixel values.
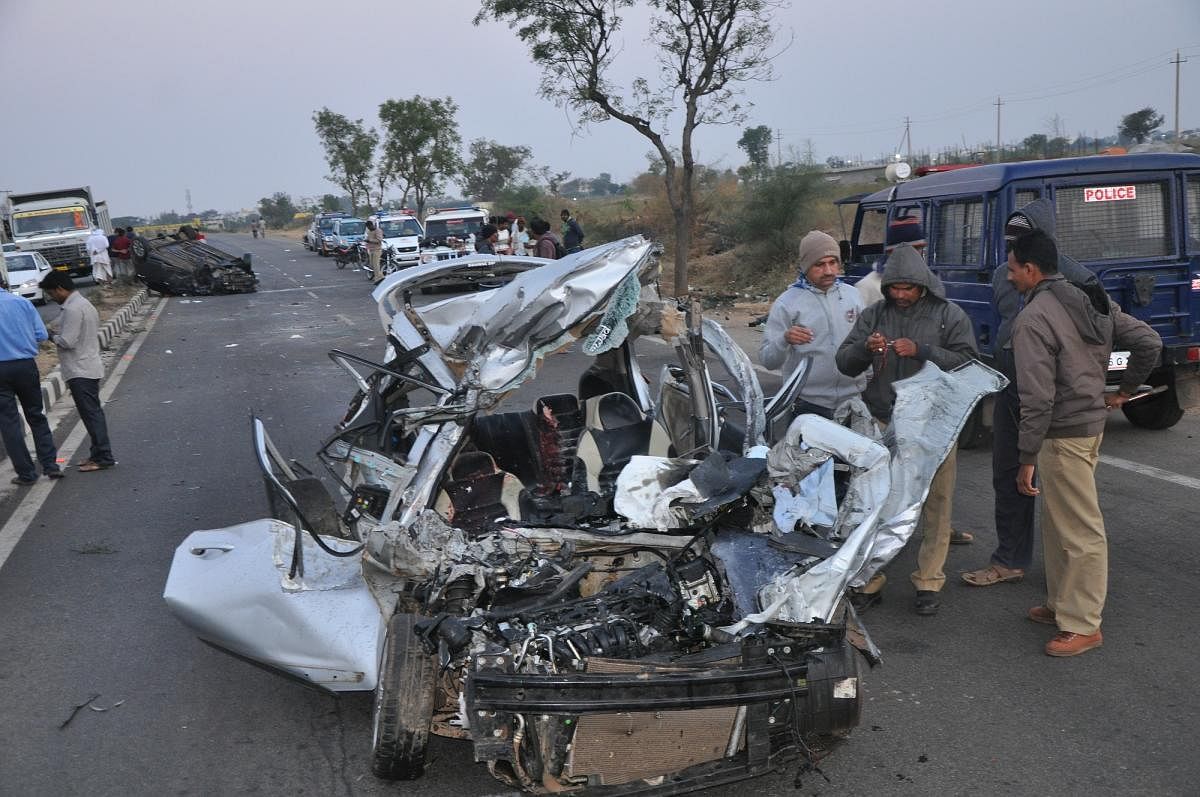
(1132, 219)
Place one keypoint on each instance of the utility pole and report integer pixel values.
(998, 104)
(908, 141)
(778, 147)
(1177, 62)
(187, 194)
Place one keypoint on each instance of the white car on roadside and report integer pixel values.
(24, 271)
(402, 234)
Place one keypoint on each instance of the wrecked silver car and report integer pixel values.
(636, 587)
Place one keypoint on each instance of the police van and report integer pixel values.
(1134, 220)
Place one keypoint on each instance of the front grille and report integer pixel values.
(64, 255)
(405, 248)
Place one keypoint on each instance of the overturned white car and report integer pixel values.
(629, 588)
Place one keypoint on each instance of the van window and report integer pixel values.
(959, 232)
(1193, 214)
(1110, 221)
(874, 224)
(1024, 196)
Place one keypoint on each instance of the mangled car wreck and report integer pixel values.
(190, 268)
(605, 590)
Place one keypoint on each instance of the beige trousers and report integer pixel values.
(373, 256)
(935, 526)
(1073, 539)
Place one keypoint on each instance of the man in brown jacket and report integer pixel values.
(1061, 342)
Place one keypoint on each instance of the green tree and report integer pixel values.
(1034, 144)
(491, 167)
(421, 142)
(704, 48)
(772, 218)
(756, 143)
(329, 202)
(349, 151)
(1058, 147)
(278, 209)
(1139, 125)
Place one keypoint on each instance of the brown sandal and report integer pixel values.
(88, 466)
(992, 574)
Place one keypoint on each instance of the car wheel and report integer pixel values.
(1160, 411)
(140, 249)
(403, 703)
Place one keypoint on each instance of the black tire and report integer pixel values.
(403, 703)
(139, 249)
(1161, 411)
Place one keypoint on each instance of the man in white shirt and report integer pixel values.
(97, 247)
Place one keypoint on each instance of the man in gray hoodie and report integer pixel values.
(810, 319)
(914, 324)
(1014, 512)
(1061, 342)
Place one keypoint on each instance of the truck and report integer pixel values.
(57, 224)
(1134, 220)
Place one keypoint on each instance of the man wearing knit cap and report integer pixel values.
(810, 319)
(913, 325)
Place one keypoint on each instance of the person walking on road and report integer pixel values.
(1061, 343)
(1014, 511)
(373, 240)
(21, 329)
(914, 324)
(78, 342)
(811, 319)
(97, 246)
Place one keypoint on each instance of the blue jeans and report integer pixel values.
(19, 381)
(1014, 511)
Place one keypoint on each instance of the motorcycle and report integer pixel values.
(351, 255)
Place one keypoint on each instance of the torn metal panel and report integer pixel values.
(231, 587)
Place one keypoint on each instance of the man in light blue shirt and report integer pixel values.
(20, 330)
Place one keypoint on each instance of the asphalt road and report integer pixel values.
(965, 702)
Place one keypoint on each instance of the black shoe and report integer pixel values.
(23, 481)
(928, 602)
(861, 601)
(54, 474)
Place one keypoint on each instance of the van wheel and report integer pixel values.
(403, 703)
(1161, 411)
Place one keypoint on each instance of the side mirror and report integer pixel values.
(844, 251)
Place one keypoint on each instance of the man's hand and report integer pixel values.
(1025, 475)
(797, 334)
(1114, 400)
(904, 347)
(876, 343)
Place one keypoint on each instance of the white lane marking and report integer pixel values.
(309, 288)
(310, 293)
(1151, 471)
(345, 320)
(35, 496)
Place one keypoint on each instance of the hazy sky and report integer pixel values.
(144, 99)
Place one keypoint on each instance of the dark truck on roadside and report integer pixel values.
(1134, 220)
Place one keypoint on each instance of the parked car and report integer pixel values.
(25, 271)
(190, 267)
(591, 588)
(319, 236)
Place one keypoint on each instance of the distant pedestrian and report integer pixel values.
(21, 329)
(519, 237)
(77, 339)
(373, 241)
(546, 243)
(97, 246)
(572, 237)
(122, 264)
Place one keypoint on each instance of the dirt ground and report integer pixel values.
(107, 303)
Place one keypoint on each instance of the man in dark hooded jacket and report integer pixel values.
(1014, 512)
(914, 324)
